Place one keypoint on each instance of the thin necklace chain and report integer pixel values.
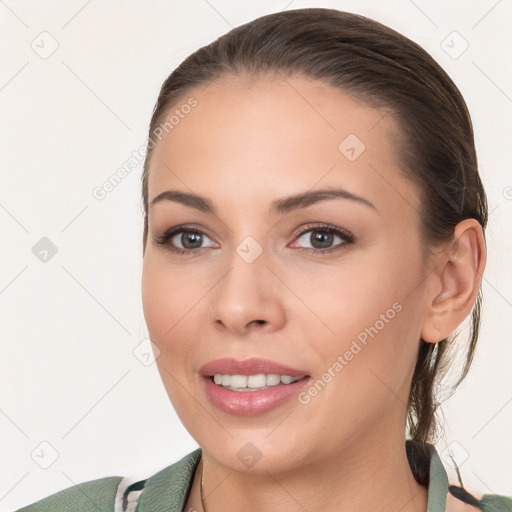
(202, 494)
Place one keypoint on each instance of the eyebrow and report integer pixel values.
(278, 207)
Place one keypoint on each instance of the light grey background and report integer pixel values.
(71, 386)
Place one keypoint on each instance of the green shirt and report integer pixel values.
(168, 491)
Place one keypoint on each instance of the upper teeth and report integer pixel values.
(260, 380)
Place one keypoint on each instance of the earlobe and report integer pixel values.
(457, 281)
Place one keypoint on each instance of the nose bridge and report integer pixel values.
(248, 266)
(251, 244)
(245, 294)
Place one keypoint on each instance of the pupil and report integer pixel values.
(325, 239)
(189, 237)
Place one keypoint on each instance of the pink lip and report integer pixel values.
(250, 403)
(252, 366)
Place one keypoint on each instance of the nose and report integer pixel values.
(247, 298)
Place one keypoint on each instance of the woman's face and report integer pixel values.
(349, 317)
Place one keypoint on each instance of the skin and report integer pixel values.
(247, 143)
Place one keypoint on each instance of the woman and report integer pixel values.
(314, 235)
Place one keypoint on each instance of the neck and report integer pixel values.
(379, 478)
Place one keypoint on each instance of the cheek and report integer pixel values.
(170, 306)
(166, 299)
(154, 302)
(343, 300)
(363, 311)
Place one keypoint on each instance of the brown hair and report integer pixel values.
(387, 70)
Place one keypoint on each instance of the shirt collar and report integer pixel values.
(438, 483)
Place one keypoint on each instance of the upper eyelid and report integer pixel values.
(302, 230)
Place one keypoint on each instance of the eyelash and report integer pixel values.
(348, 238)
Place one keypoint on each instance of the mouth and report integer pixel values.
(252, 386)
(251, 383)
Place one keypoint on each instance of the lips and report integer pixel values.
(252, 366)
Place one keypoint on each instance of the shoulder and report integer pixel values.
(169, 488)
(169, 485)
(429, 470)
(454, 504)
(98, 495)
(460, 500)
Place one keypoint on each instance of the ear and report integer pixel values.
(455, 282)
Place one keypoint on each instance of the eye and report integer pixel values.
(321, 238)
(190, 238)
(185, 240)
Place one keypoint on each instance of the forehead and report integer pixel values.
(262, 137)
